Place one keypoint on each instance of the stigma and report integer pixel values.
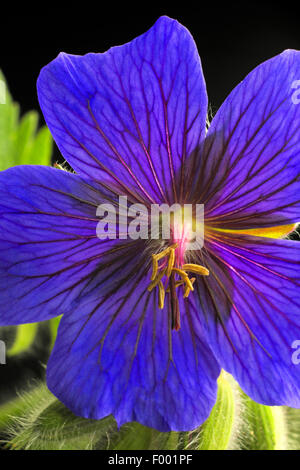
(170, 275)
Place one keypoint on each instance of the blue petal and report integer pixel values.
(118, 355)
(132, 115)
(249, 175)
(253, 334)
(49, 250)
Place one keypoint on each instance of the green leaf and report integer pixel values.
(20, 338)
(25, 335)
(24, 137)
(42, 147)
(20, 142)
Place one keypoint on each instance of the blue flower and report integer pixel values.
(132, 122)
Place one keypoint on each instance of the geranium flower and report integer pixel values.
(140, 337)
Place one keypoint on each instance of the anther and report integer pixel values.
(158, 278)
(161, 295)
(168, 269)
(155, 258)
(154, 267)
(187, 290)
(184, 277)
(165, 252)
(171, 261)
(195, 268)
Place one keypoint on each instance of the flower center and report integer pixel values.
(170, 275)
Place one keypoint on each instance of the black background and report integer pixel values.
(232, 38)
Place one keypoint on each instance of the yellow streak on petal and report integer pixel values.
(268, 232)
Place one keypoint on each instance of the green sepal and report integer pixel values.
(266, 426)
(38, 421)
(292, 422)
(132, 436)
(135, 436)
(218, 431)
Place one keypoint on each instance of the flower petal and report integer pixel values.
(255, 337)
(49, 250)
(132, 115)
(250, 170)
(118, 355)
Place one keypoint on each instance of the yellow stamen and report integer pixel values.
(195, 268)
(161, 295)
(171, 261)
(165, 252)
(171, 284)
(154, 267)
(187, 290)
(184, 277)
(177, 284)
(158, 278)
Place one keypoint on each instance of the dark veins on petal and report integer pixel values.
(50, 252)
(249, 176)
(131, 116)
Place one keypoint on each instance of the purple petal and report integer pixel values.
(250, 170)
(132, 115)
(118, 355)
(49, 253)
(253, 334)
